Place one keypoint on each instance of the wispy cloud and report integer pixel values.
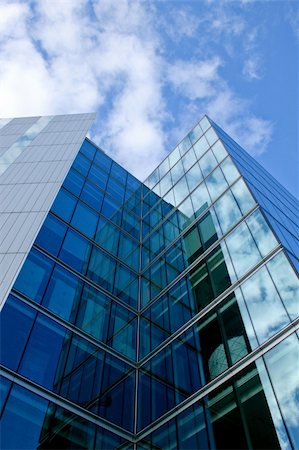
(113, 57)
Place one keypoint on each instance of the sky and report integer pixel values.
(152, 69)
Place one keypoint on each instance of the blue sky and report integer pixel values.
(151, 69)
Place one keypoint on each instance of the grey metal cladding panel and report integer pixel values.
(18, 126)
(8, 140)
(29, 186)
(10, 264)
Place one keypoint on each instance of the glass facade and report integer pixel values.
(157, 315)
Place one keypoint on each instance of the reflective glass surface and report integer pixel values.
(135, 297)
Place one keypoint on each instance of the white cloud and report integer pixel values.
(195, 79)
(252, 68)
(64, 57)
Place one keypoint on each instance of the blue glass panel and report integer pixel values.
(75, 251)
(51, 234)
(43, 352)
(63, 292)
(64, 205)
(103, 160)
(36, 423)
(88, 149)
(100, 268)
(85, 220)
(118, 172)
(110, 207)
(4, 390)
(92, 195)
(81, 164)
(16, 323)
(98, 176)
(115, 189)
(22, 420)
(34, 276)
(74, 182)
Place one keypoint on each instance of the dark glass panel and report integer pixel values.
(226, 419)
(218, 272)
(126, 285)
(34, 276)
(5, 386)
(192, 244)
(150, 393)
(237, 344)
(213, 350)
(16, 323)
(191, 429)
(117, 405)
(131, 224)
(201, 286)
(262, 434)
(106, 440)
(163, 438)
(207, 230)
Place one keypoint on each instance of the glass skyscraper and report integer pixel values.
(155, 315)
